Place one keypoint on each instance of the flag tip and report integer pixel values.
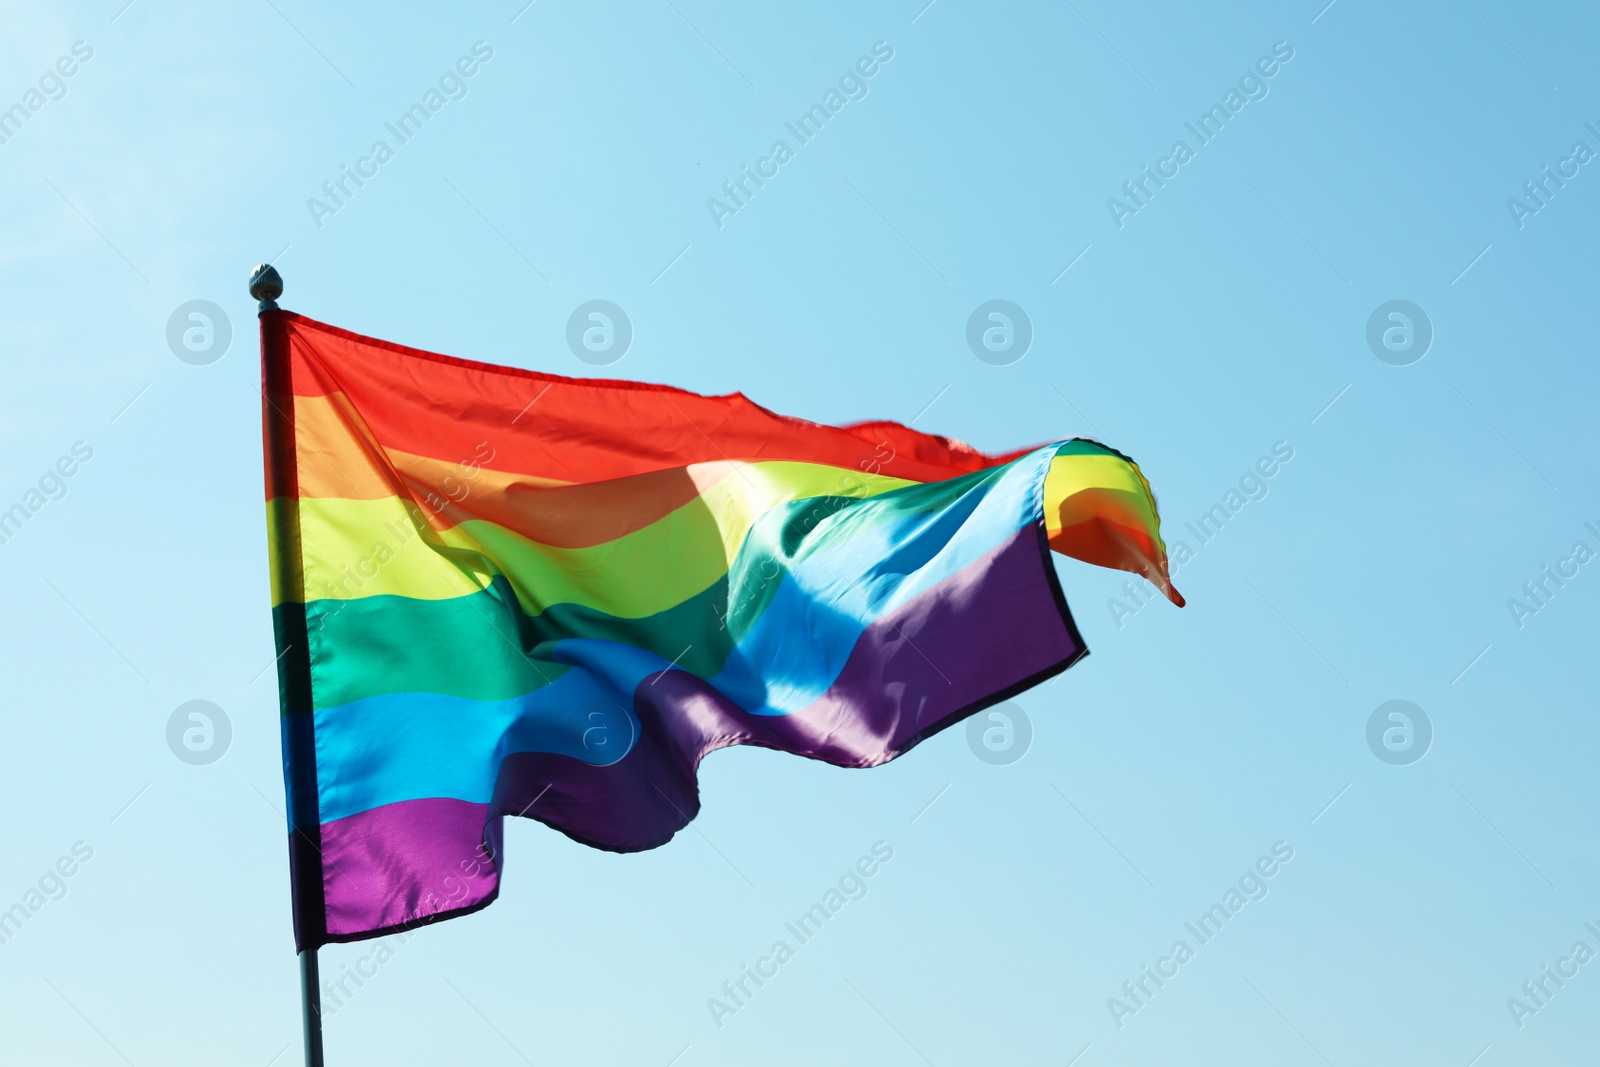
(266, 285)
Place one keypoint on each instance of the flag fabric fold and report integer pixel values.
(499, 592)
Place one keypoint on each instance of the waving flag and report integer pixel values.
(498, 592)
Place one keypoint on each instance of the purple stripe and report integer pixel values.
(992, 629)
(406, 864)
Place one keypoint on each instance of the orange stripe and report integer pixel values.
(338, 459)
(1113, 528)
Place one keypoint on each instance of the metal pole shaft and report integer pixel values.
(311, 1006)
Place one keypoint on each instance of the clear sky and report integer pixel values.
(1422, 471)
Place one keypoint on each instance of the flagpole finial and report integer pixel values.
(266, 285)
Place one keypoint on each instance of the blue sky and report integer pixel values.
(1226, 317)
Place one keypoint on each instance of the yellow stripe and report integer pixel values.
(361, 548)
(1073, 474)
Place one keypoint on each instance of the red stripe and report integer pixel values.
(581, 429)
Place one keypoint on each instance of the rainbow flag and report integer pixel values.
(499, 592)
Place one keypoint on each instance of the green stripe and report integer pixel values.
(390, 644)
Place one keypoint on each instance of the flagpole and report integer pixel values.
(266, 285)
(311, 1007)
